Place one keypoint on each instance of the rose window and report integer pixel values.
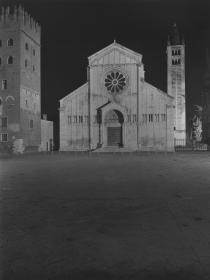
(115, 82)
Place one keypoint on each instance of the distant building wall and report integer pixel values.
(46, 136)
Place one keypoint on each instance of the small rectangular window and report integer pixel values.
(75, 119)
(4, 84)
(150, 117)
(69, 119)
(80, 119)
(31, 124)
(26, 46)
(10, 60)
(86, 119)
(134, 118)
(156, 117)
(163, 117)
(4, 122)
(10, 42)
(4, 137)
(144, 118)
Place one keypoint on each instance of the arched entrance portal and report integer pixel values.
(114, 125)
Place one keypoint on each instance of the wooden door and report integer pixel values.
(114, 135)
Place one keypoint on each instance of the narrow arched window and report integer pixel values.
(0, 43)
(10, 60)
(4, 84)
(4, 122)
(31, 124)
(26, 46)
(26, 63)
(4, 137)
(1, 106)
(0, 61)
(10, 42)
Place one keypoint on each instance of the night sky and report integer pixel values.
(75, 29)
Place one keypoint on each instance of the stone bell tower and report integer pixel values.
(176, 83)
(20, 81)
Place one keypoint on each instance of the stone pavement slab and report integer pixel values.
(81, 217)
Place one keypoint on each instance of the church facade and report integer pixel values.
(116, 107)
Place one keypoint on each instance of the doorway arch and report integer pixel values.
(113, 122)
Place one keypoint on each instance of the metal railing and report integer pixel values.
(182, 145)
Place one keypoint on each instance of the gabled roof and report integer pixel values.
(159, 90)
(115, 46)
(81, 89)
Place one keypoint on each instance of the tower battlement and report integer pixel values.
(19, 18)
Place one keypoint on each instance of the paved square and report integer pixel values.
(106, 216)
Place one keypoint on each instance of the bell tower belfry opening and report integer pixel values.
(176, 82)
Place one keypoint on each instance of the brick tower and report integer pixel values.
(176, 83)
(20, 93)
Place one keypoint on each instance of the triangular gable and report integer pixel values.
(115, 54)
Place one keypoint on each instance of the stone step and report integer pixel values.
(114, 150)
